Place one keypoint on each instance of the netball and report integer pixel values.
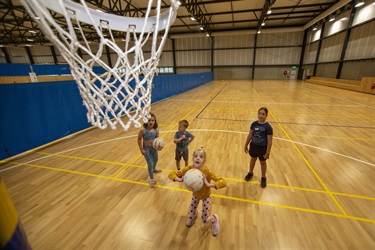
(193, 180)
(158, 143)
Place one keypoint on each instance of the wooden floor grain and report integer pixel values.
(90, 190)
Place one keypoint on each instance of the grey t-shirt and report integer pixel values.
(182, 145)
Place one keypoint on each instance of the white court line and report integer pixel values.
(354, 105)
(293, 103)
(197, 130)
(68, 150)
(335, 97)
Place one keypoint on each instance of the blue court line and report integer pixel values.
(210, 101)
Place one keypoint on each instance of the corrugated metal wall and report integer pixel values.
(232, 56)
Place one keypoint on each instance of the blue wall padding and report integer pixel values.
(10, 69)
(169, 85)
(33, 114)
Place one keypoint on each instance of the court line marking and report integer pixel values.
(335, 97)
(335, 137)
(215, 195)
(309, 114)
(294, 104)
(226, 178)
(293, 123)
(309, 165)
(209, 102)
(196, 130)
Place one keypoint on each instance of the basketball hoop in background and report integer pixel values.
(111, 95)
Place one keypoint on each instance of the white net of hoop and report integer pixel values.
(125, 86)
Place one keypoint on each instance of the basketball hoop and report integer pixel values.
(125, 87)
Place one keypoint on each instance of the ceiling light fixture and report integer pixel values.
(332, 18)
(201, 28)
(263, 23)
(193, 18)
(359, 3)
(269, 11)
(315, 27)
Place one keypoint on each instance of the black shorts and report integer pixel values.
(257, 151)
(184, 154)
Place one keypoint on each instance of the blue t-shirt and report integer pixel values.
(260, 132)
(182, 145)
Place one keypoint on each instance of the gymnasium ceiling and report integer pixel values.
(214, 16)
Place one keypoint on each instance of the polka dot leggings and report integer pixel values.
(205, 208)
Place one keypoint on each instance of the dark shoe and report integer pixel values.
(249, 176)
(263, 182)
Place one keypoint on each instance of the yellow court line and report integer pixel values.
(91, 159)
(226, 178)
(306, 94)
(184, 117)
(367, 117)
(215, 195)
(214, 91)
(335, 137)
(309, 165)
(256, 93)
(294, 208)
(125, 168)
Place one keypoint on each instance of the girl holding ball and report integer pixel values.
(204, 194)
(146, 136)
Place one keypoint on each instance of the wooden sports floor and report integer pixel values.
(90, 190)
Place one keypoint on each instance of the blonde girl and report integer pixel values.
(199, 160)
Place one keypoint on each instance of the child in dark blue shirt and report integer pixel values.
(260, 138)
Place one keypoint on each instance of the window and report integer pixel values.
(165, 70)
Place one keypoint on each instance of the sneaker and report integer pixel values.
(157, 170)
(263, 182)
(191, 221)
(215, 225)
(249, 176)
(152, 183)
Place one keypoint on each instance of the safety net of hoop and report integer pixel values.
(116, 93)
